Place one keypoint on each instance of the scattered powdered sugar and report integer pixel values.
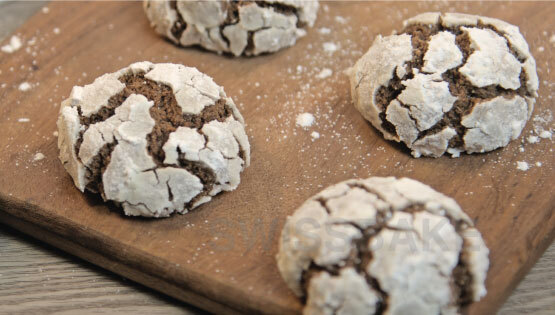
(13, 45)
(552, 39)
(24, 87)
(325, 73)
(56, 31)
(523, 166)
(324, 30)
(302, 91)
(538, 164)
(45, 10)
(340, 19)
(542, 123)
(24, 120)
(330, 47)
(541, 49)
(305, 120)
(55, 134)
(315, 135)
(533, 139)
(545, 134)
(39, 156)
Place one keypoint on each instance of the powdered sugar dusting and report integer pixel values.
(533, 139)
(341, 20)
(542, 124)
(324, 30)
(330, 47)
(39, 156)
(545, 134)
(305, 120)
(301, 89)
(522, 166)
(14, 45)
(325, 73)
(315, 135)
(24, 87)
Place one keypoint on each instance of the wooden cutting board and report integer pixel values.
(221, 256)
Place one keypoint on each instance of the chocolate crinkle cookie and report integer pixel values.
(231, 26)
(447, 83)
(382, 246)
(153, 138)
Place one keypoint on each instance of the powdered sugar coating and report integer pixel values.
(491, 63)
(427, 99)
(376, 69)
(364, 245)
(492, 124)
(443, 53)
(133, 177)
(425, 105)
(345, 293)
(435, 144)
(247, 28)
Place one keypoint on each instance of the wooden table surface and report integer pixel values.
(35, 277)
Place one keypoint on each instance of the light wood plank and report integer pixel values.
(36, 278)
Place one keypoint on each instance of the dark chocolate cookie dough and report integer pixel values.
(447, 83)
(382, 246)
(153, 138)
(230, 26)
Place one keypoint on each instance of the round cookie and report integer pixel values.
(382, 245)
(153, 138)
(236, 27)
(447, 83)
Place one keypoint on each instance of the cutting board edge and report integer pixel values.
(104, 262)
(29, 227)
(13, 214)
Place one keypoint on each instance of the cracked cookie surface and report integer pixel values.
(447, 83)
(232, 26)
(153, 138)
(382, 246)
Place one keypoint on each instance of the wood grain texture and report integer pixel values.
(536, 293)
(181, 256)
(34, 276)
(40, 279)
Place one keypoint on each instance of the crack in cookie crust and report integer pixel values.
(179, 25)
(172, 105)
(368, 219)
(448, 133)
(168, 117)
(234, 26)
